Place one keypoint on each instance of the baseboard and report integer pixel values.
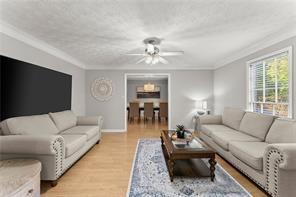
(113, 130)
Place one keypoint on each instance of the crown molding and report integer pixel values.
(22, 36)
(148, 67)
(260, 45)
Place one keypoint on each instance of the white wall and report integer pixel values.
(186, 87)
(132, 90)
(230, 81)
(16, 49)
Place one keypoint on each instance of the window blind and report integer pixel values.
(269, 85)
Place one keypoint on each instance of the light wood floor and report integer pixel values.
(105, 169)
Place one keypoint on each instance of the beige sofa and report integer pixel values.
(262, 147)
(58, 140)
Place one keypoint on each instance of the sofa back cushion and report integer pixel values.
(256, 124)
(282, 131)
(29, 125)
(232, 117)
(64, 119)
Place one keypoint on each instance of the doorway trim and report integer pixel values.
(125, 95)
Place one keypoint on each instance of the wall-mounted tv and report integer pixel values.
(28, 89)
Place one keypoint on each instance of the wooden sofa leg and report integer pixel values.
(54, 183)
(98, 141)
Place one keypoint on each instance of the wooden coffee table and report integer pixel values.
(196, 149)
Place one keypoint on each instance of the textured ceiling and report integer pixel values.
(99, 33)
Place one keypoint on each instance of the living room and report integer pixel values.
(223, 71)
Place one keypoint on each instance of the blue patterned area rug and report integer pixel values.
(149, 177)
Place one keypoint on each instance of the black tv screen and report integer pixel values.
(28, 89)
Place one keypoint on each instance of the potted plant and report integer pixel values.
(180, 131)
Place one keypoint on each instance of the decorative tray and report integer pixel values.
(188, 138)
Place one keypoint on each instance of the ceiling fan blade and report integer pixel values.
(171, 53)
(141, 60)
(162, 60)
(136, 54)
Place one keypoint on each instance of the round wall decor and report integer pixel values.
(101, 89)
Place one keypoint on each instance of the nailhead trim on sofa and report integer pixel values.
(58, 145)
(76, 156)
(279, 159)
(237, 166)
(249, 176)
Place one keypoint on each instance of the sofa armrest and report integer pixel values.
(286, 154)
(31, 144)
(90, 120)
(49, 149)
(280, 168)
(210, 119)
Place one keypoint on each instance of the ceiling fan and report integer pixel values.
(153, 54)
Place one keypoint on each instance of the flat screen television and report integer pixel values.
(28, 89)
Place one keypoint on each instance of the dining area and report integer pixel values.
(147, 99)
(147, 111)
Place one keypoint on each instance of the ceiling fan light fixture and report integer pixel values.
(150, 48)
(155, 60)
(152, 53)
(148, 60)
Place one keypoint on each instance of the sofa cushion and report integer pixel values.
(89, 131)
(208, 129)
(29, 125)
(232, 117)
(249, 152)
(64, 119)
(282, 131)
(224, 138)
(256, 124)
(73, 143)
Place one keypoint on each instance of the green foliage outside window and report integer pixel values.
(277, 72)
(270, 85)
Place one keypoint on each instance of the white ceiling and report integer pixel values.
(100, 33)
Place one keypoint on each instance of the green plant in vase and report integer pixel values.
(180, 131)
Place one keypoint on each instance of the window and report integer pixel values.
(269, 84)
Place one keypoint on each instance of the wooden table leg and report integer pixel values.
(212, 168)
(171, 164)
